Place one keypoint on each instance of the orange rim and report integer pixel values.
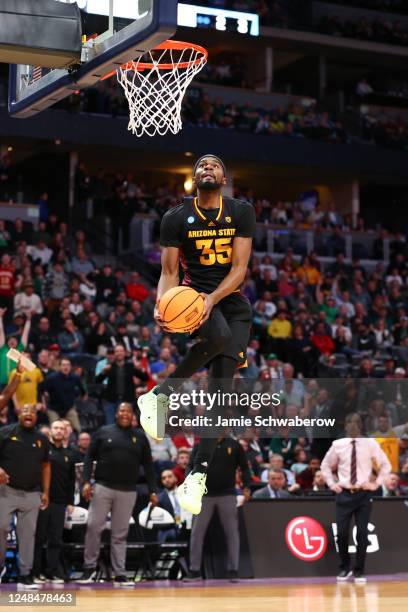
(174, 45)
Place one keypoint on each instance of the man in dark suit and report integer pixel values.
(167, 500)
(120, 386)
(275, 489)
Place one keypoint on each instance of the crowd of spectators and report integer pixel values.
(121, 195)
(198, 109)
(383, 126)
(379, 29)
(275, 13)
(295, 122)
(330, 226)
(225, 69)
(389, 89)
(387, 6)
(292, 122)
(308, 320)
(299, 15)
(384, 129)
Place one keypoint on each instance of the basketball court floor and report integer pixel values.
(380, 594)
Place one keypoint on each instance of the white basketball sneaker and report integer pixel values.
(190, 493)
(153, 413)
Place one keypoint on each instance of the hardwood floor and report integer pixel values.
(244, 597)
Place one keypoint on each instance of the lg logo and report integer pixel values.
(373, 546)
(306, 538)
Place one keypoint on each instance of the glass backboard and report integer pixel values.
(114, 32)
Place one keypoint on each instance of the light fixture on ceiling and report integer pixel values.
(188, 184)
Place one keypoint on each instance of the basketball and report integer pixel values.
(181, 309)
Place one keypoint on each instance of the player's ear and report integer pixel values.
(224, 180)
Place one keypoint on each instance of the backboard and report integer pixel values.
(115, 31)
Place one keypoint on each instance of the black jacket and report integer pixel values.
(22, 455)
(62, 486)
(119, 453)
(63, 391)
(130, 371)
(228, 456)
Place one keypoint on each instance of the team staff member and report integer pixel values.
(361, 466)
(25, 475)
(228, 456)
(50, 524)
(119, 450)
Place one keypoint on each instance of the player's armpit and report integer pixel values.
(246, 226)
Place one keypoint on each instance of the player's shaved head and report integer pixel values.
(212, 156)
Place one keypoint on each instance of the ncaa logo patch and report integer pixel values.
(228, 219)
(190, 220)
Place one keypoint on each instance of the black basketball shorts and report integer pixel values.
(237, 312)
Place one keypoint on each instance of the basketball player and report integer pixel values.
(211, 237)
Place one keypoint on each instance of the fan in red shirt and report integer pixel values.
(306, 477)
(141, 361)
(135, 289)
(322, 341)
(179, 470)
(7, 281)
(185, 440)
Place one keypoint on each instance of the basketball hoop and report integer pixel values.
(155, 85)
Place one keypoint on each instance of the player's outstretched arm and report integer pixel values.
(241, 252)
(169, 276)
(26, 330)
(2, 334)
(11, 388)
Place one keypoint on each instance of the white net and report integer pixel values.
(155, 85)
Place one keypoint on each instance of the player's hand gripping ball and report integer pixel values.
(181, 309)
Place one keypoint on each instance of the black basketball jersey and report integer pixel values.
(205, 238)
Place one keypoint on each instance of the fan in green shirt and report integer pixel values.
(6, 365)
(330, 308)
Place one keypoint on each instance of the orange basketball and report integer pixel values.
(181, 309)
